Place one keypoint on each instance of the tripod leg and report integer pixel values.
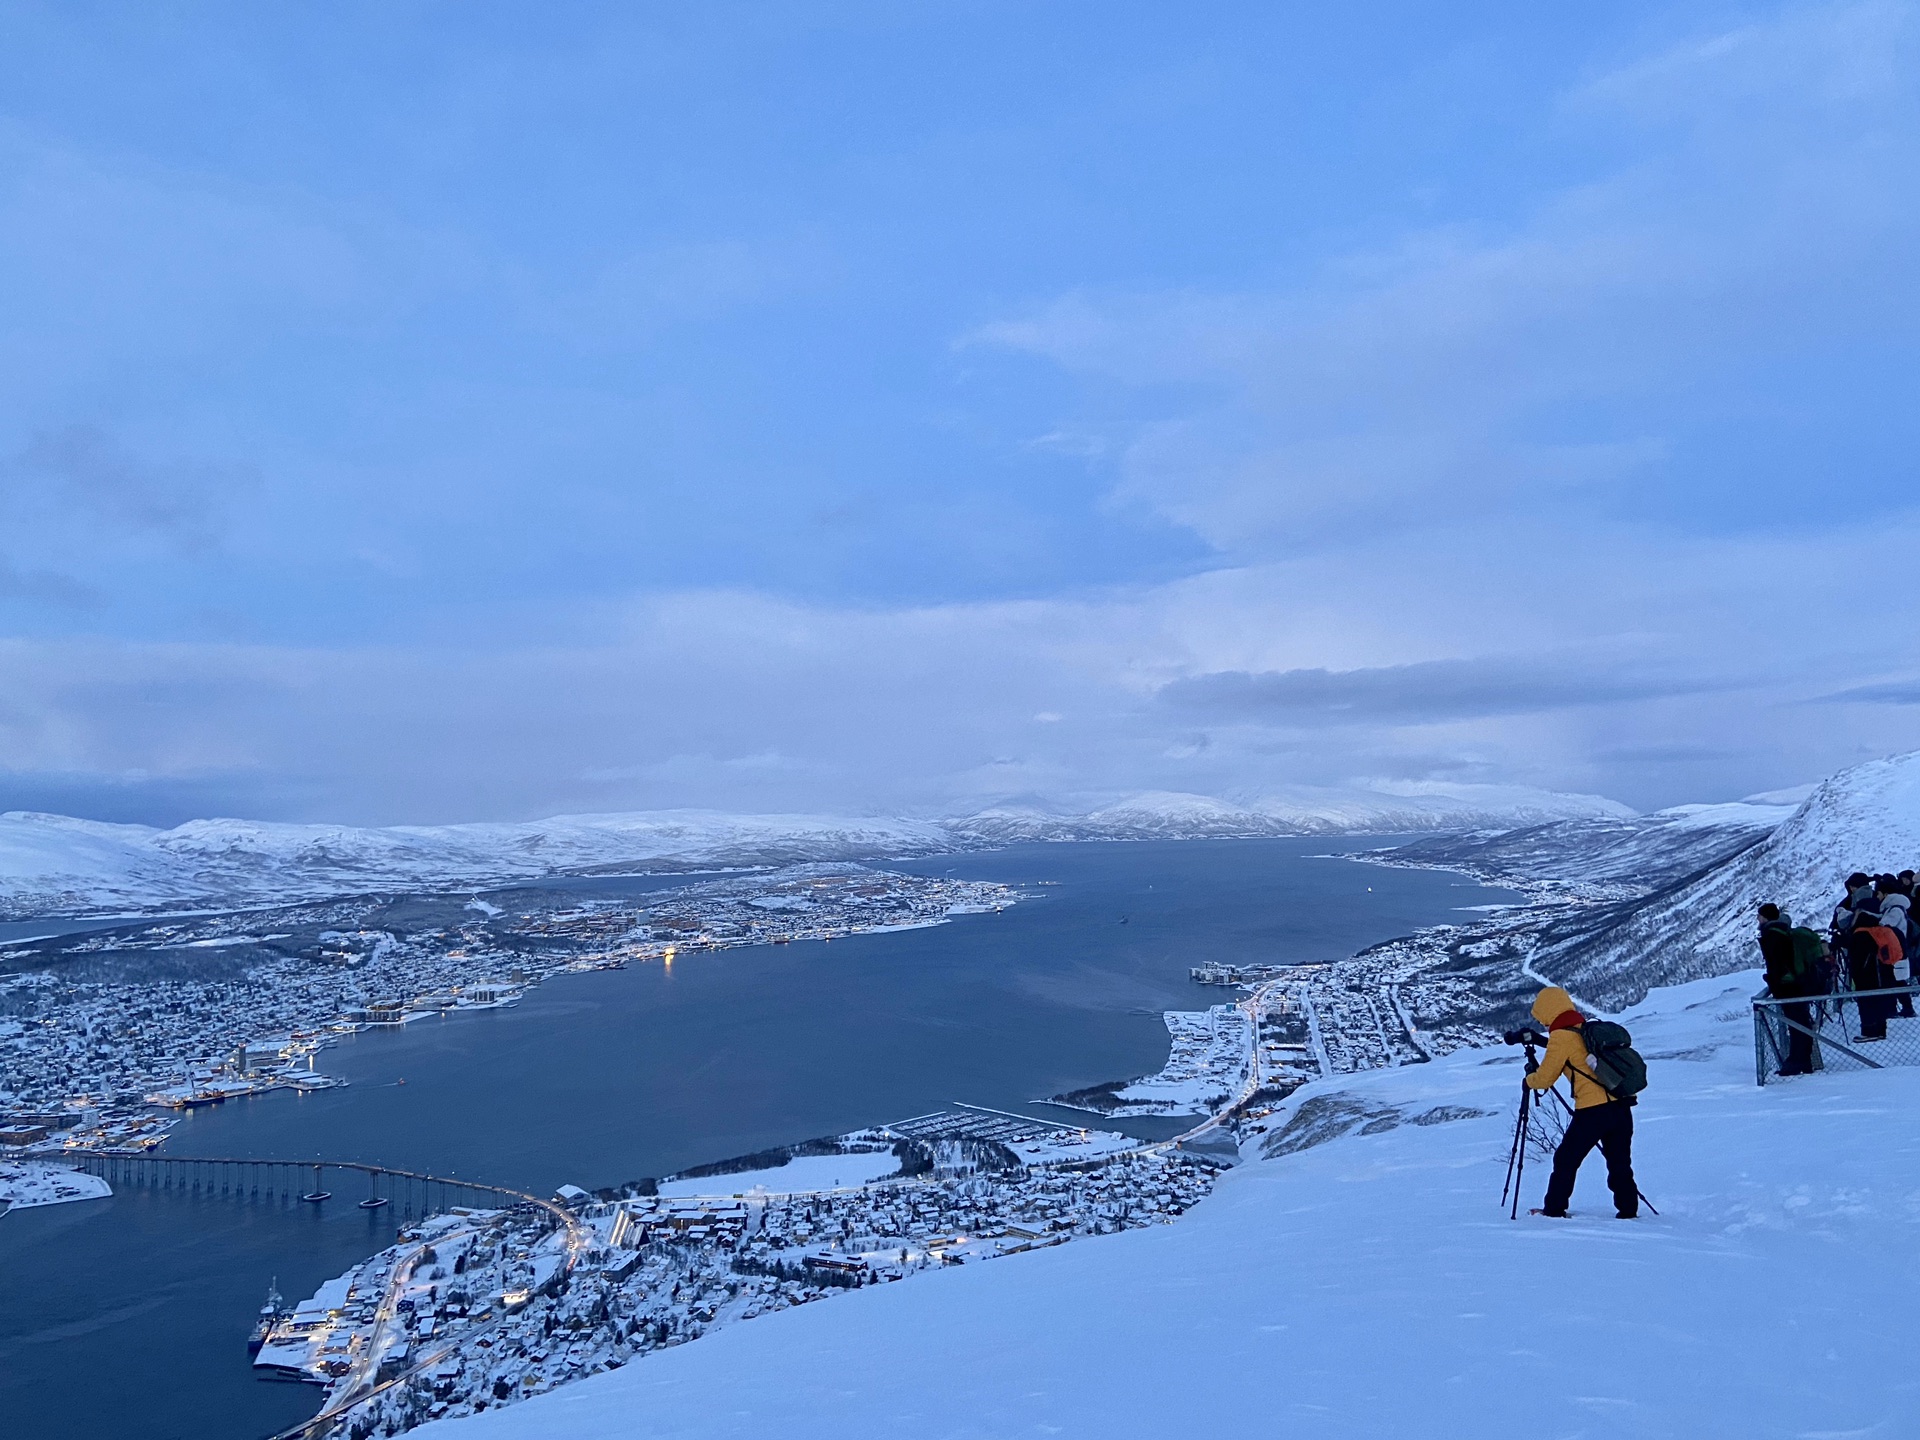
(1519, 1130)
(1520, 1166)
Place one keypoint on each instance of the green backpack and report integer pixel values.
(1616, 1064)
(1812, 963)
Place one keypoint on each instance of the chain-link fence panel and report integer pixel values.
(1847, 1030)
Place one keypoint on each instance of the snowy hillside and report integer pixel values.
(1866, 818)
(51, 863)
(1371, 1285)
(1622, 857)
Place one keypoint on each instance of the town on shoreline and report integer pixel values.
(107, 1035)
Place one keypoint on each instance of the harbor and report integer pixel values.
(474, 1307)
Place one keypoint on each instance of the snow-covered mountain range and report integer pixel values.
(1169, 815)
(1865, 818)
(51, 864)
(1683, 882)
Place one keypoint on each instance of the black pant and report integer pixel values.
(1875, 1010)
(1799, 1043)
(1610, 1126)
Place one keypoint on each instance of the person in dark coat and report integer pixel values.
(1870, 968)
(1857, 900)
(1896, 914)
(1787, 978)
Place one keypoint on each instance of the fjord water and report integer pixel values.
(128, 1316)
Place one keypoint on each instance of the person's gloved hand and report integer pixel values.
(1532, 1065)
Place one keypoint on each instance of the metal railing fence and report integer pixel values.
(1845, 1030)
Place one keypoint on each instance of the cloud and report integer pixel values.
(1891, 692)
(1235, 683)
(46, 587)
(1646, 339)
(1411, 694)
(91, 472)
(630, 300)
(1569, 485)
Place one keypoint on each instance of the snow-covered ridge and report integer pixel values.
(1611, 857)
(50, 863)
(1865, 818)
(1380, 810)
(55, 863)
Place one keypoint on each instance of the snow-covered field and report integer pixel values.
(1371, 1285)
(25, 1183)
(802, 1172)
(1206, 1065)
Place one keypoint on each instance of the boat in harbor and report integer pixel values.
(270, 1314)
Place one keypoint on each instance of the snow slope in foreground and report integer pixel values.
(1371, 1286)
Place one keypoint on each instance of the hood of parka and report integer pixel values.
(1550, 1004)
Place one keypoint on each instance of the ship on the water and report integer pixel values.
(270, 1313)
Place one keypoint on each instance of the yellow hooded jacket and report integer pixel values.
(1566, 1051)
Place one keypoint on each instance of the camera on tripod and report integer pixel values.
(1526, 1035)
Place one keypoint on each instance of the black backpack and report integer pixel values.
(1617, 1066)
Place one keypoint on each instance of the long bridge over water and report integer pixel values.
(407, 1194)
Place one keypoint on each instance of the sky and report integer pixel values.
(432, 412)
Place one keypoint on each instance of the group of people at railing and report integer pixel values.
(1869, 938)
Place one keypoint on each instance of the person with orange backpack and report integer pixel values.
(1896, 905)
(1872, 952)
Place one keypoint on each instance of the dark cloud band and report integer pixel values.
(1432, 690)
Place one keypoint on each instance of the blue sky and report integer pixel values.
(433, 412)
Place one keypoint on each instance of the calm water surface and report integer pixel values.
(128, 1316)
